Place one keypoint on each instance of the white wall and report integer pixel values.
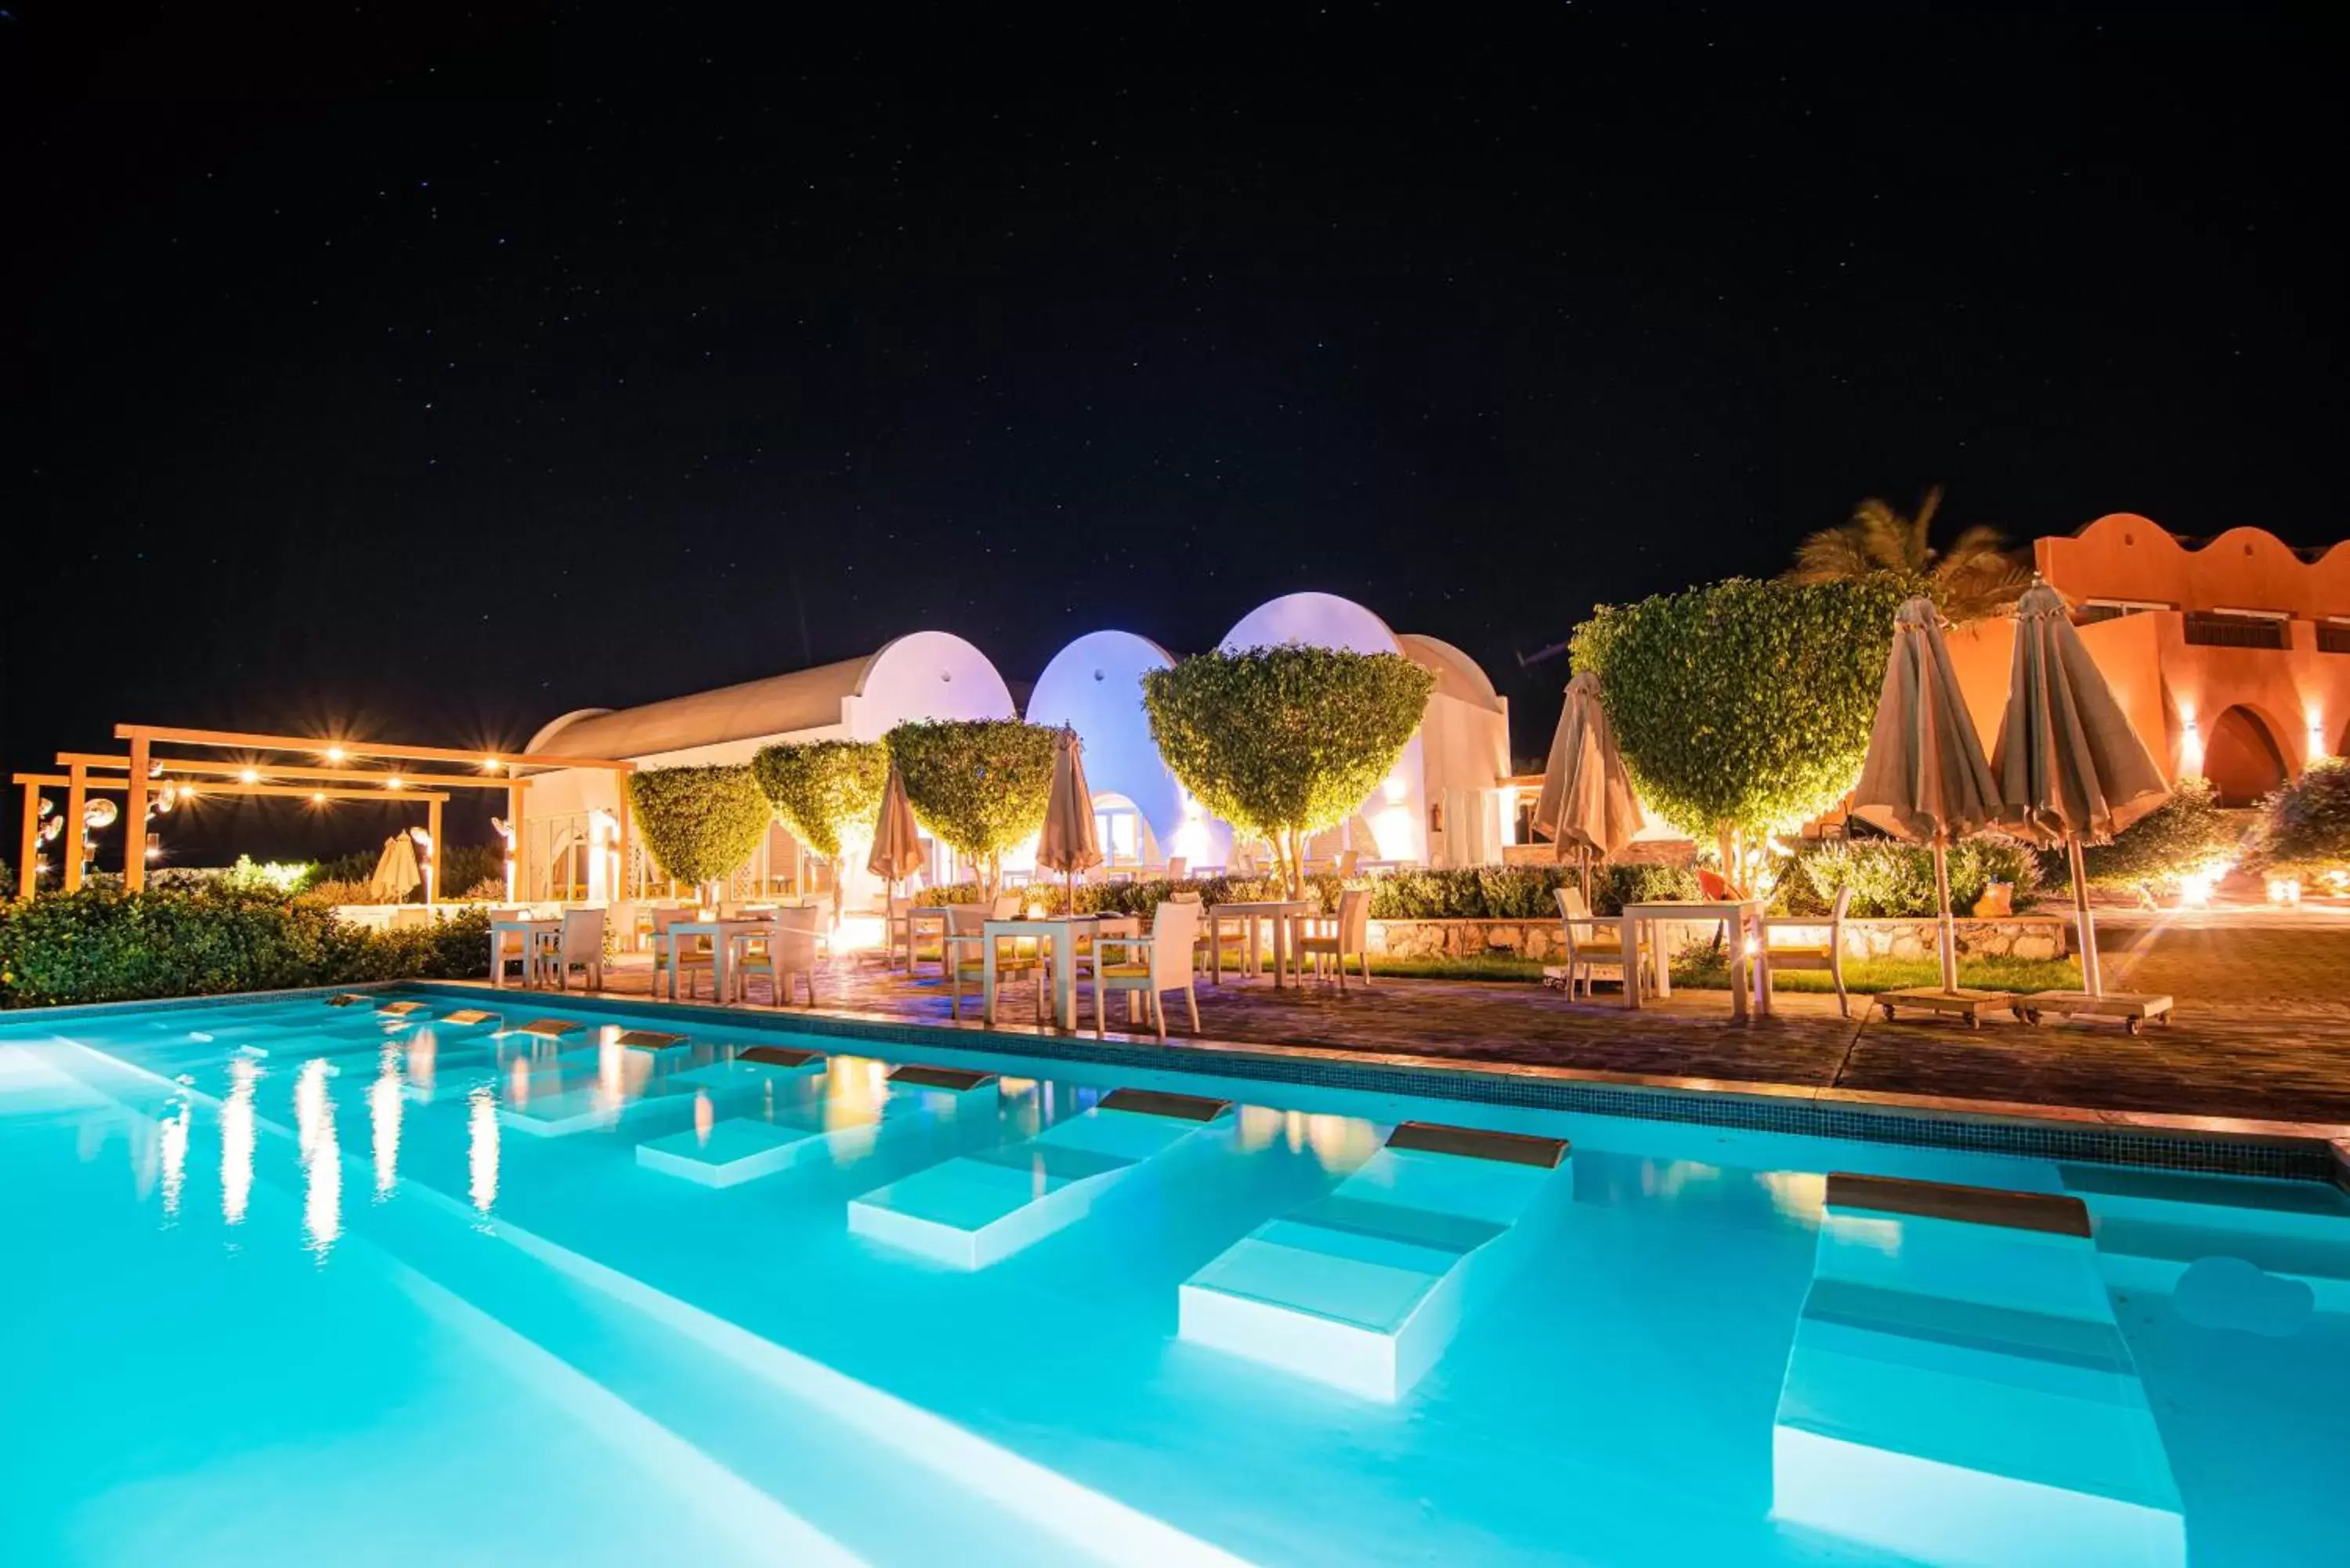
(1094, 686)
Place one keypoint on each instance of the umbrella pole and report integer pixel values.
(1586, 877)
(2093, 978)
(1942, 902)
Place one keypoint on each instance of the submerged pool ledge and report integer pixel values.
(2303, 1151)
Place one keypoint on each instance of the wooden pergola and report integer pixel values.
(142, 770)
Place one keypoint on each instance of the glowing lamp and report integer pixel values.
(334, 754)
(250, 776)
(318, 797)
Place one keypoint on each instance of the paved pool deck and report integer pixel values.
(2263, 1030)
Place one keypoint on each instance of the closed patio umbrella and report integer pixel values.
(2070, 765)
(1586, 802)
(897, 842)
(1926, 781)
(897, 855)
(1070, 843)
(396, 875)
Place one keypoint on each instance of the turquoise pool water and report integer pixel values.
(289, 1284)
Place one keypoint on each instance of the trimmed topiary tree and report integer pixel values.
(700, 825)
(828, 793)
(1743, 708)
(978, 784)
(1284, 742)
(2303, 829)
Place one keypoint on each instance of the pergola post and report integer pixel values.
(26, 876)
(134, 821)
(628, 877)
(76, 798)
(516, 795)
(434, 891)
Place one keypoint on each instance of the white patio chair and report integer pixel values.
(964, 952)
(691, 963)
(580, 944)
(1158, 962)
(786, 947)
(1327, 940)
(1592, 944)
(1807, 955)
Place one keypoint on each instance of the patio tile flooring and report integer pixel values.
(2263, 1031)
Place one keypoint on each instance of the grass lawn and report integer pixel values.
(1707, 970)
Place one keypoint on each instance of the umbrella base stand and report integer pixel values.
(2131, 1010)
(1971, 1005)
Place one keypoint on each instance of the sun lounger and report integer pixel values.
(1364, 1288)
(982, 1207)
(1960, 1392)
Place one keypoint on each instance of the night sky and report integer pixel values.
(431, 370)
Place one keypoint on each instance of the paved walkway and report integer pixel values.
(2264, 1030)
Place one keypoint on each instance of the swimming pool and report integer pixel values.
(289, 1282)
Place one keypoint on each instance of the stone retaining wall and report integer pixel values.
(2022, 937)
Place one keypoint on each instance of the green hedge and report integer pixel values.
(108, 946)
(1477, 893)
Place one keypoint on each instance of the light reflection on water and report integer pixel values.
(482, 1148)
(385, 1106)
(322, 1159)
(1336, 1143)
(853, 1097)
(237, 1139)
(172, 1138)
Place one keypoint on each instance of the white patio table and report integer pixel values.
(721, 935)
(1277, 911)
(1062, 932)
(1750, 956)
(529, 930)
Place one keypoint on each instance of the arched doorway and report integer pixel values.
(2242, 758)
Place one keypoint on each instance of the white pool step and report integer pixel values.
(1364, 1288)
(820, 1128)
(978, 1209)
(1958, 1390)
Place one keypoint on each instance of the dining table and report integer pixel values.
(1061, 932)
(1277, 911)
(1651, 923)
(530, 930)
(722, 934)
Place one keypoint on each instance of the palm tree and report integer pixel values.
(1974, 575)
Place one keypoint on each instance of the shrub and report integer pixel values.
(699, 823)
(282, 876)
(1893, 880)
(2187, 833)
(100, 945)
(1284, 742)
(1481, 893)
(2303, 829)
(979, 785)
(463, 869)
(1743, 708)
(326, 894)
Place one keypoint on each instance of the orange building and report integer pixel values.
(2231, 655)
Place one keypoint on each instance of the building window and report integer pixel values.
(2333, 635)
(2235, 628)
(2092, 611)
(1119, 829)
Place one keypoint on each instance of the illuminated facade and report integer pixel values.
(1448, 802)
(2231, 655)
